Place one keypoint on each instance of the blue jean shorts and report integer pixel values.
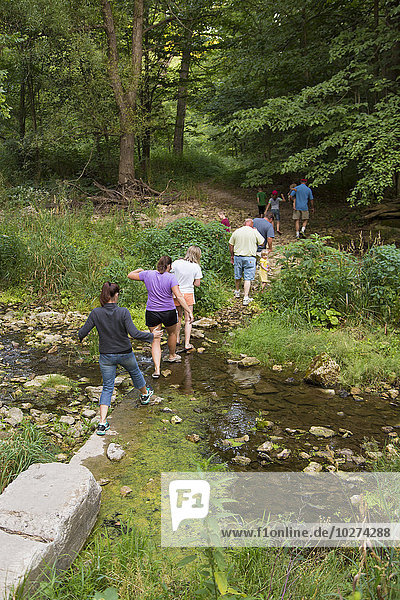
(244, 266)
(277, 214)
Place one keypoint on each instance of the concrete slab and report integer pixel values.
(46, 515)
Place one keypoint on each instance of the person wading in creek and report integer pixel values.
(188, 273)
(161, 287)
(113, 324)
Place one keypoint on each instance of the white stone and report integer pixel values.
(115, 452)
(46, 515)
(15, 414)
(67, 419)
(88, 413)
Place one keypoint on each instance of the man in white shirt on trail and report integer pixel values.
(243, 245)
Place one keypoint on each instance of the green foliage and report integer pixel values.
(25, 446)
(325, 285)
(110, 593)
(13, 258)
(175, 238)
(316, 281)
(364, 357)
(380, 278)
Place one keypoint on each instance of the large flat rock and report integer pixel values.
(46, 515)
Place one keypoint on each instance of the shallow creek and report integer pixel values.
(221, 401)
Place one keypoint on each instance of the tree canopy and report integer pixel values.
(309, 88)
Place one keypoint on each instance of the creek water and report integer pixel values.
(230, 400)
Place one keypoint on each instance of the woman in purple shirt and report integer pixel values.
(160, 307)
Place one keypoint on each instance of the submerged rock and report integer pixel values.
(322, 432)
(265, 447)
(323, 370)
(241, 460)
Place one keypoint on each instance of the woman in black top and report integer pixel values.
(113, 324)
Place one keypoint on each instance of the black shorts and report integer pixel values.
(166, 317)
(261, 209)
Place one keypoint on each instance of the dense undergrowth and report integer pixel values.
(134, 568)
(329, 300)
(65, 256)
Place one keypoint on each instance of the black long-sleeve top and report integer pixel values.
(113, 324)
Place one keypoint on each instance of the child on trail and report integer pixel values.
(264, 268)
(291, 188)
(261, 202)
(273, 205)
(224, 221)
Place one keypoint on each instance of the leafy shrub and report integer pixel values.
(13, 256)
(132, 293)
(176, 237)
(316, 280)
(211, 295)
(380, 274)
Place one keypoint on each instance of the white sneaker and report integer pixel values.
(247, 300)
(236, 293)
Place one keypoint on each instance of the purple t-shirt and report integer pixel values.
(159, 289)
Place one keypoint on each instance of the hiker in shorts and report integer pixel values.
(273, 205)
(162, 286)
(301, 195)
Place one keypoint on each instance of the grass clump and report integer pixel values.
(22, 449)
(130, 566)
(365, 357)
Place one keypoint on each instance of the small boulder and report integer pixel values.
(193, 437)
(248, 361)
(125, 491)
(115, 452)
(265, 447)
(241, 460)
(284, 454)
(67, 419)
(175, 420)
(205, 323)
(313, 467)
(322, 371)
(88, 413)
(322, 432)
(15, 414)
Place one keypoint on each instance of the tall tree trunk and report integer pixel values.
(125, 98)
(182, 93)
